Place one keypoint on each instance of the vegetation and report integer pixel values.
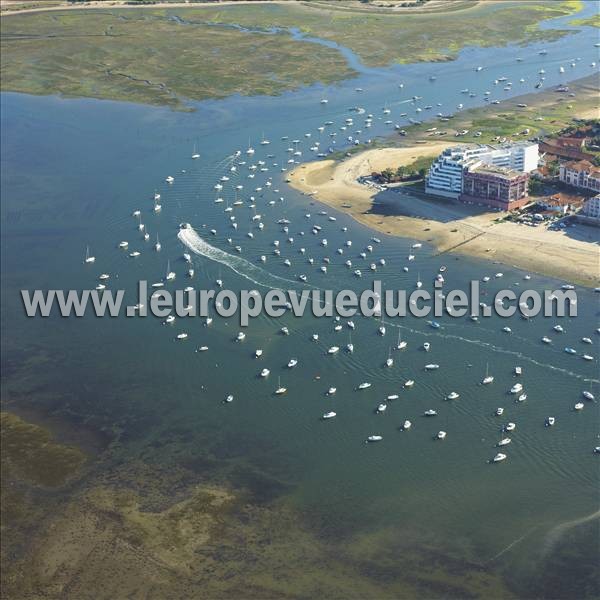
(593, 21)
(29, 453)
(138, 57)
(169, 55)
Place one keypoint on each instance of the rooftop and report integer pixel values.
(481, 168)
(583, 166)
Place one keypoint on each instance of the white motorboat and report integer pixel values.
(331, 391)
(292, 363)
(382, 408)
(441, 435)
(409, 383)
(522, 398)
(499, 411)
(104, 277)
(430, 413)
(364, 386)
(393, 397)
(546, 340)
(329, 415)
(588, 395)
(588, 357)
(518, 370)
(504, 442)
(431, 367)
(510, 427)
(517, 388)
(452, 396)
(499, 457)
(559, 328)
(586, 340)
(241, 336)
(579, 406)
(550, 421)
(258, 353)
(123, 245)
(229, 398)
(265, 373)
(374, 438)
(406, 425)
(134, 254)
(570, 350)
(333, 350)
(285, 331)
(426, 346)
(182, 336)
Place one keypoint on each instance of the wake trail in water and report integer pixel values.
(237, 264)
(557, 532)
(510, 546)
(499, 349)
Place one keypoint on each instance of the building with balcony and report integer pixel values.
(445, 177)
(496, 187)
(581, 174)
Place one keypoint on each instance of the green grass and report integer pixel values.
(143, 55)
(593, 21)
(140, 57)
(382, 39)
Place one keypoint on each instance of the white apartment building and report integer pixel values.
(445, 176)
(591, 208)
(581, 174)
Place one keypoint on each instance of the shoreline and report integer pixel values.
(450, 226)
(95, 4)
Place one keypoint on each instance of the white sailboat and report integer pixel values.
(89, 259)
(195, 154)
(401, 344)
(390, 361)
(280, 390)
(382, 326)
(157, 246)
(488, 378)
(170, 276)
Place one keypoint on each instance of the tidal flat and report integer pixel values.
(266, 48)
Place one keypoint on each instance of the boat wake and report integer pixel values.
(554, 535)
(190, 238)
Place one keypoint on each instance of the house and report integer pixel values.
(591, 208)
(560, 203)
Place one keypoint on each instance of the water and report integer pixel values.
(73, 172)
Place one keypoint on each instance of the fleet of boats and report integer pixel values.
(232, 179)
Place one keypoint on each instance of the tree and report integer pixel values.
(535, 187)
(387, 174)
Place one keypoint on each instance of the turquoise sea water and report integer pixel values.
(72, 173)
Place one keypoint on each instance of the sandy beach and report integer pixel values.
(450, 226)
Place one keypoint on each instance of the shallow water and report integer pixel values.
(72, 173)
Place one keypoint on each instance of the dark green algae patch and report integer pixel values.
(30, 453)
